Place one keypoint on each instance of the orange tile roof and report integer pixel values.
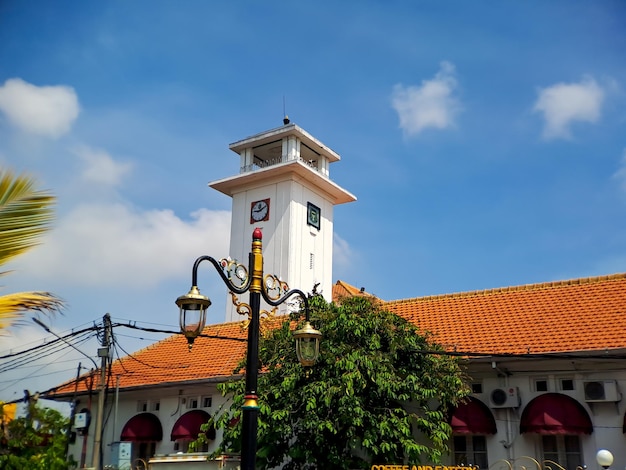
(576, 315)
(170, 361)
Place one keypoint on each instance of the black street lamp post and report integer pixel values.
(239, 279)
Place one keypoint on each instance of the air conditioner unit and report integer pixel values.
(601, 391)
(504, 397)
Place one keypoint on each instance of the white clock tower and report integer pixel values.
(284, 188)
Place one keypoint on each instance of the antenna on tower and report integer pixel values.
(286, 118)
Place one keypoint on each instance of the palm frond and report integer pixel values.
(14, 306)
(25, 214)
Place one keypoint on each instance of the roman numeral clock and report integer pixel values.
(283, 187)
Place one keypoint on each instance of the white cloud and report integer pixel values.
(620, 174)
(114, 245)
(565, 103)
(47, 110)
(430, 105)
(100, 167)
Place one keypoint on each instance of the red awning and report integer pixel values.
(144, 427)
(473, 417)
(555, 413)
(187, 427)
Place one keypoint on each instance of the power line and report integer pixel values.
(31, 375)
(27, 357)
(69, 335)
(555, 355)
(134, 322)
(45, 327)
(171, 332)
(72, 360)
(141, 338)
(52, 347)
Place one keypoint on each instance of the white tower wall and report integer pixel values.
(287, 170)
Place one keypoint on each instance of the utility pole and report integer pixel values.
(83, 452)
(72, 413)
(103, 353)
(106, 340)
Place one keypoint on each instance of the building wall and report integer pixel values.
(172, 404)
(289, 242)
(607, 417)
(508, 443)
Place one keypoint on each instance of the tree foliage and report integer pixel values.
(36, 441)
(374, 396)
(25, 215)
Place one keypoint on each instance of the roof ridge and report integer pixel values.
(519, 288)
(346, 285)
(351, 289)
(226, 325)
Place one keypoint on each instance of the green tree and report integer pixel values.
(379, 393)
(35, 441)
(25, 215)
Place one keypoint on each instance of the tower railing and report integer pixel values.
(260, 164)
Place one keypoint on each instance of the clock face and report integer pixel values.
(260, 211)
(313, 215)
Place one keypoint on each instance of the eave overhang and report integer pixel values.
(69, 395)
(295, 170)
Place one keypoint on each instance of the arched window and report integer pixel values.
(471, 422)
(559, 420)
(187, 429)
(144, 431)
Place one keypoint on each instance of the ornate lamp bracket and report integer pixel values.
(243, 308)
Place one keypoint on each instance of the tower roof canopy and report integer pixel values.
(286, 153)
(267, 141)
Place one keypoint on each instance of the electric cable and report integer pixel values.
(141, 338)
(29, 356)
(74, 333)
(119, 359)
(29, 375)
(32, 357)
(53, 348)
(134, 322)
(171, 332)
(562, 355)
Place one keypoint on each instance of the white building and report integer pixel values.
(548, 385)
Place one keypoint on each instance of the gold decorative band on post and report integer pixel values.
(250, 402)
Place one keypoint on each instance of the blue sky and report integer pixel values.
(485, 142)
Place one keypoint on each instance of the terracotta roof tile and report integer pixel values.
(342, 289)
(575, 315)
